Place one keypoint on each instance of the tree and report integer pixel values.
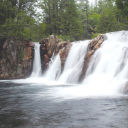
(7, 10)
(61, 17)
(86, 18)
(15, 19)
(69, 19)
(50, 8)
(123, 6)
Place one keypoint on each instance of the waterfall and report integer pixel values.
(74, 62)
(73, 65)
(106, 75)
(108, 69)
(107, 72)
(54, 69)
(37, 61)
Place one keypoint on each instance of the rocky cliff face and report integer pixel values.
(16, 59)
(52, 46)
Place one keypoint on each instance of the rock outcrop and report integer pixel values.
(16, 59)
(52, 46)
(93, 46)
(64, 53)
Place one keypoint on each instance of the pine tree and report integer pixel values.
(14, 19)
(123, 6)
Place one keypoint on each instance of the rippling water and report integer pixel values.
(31, 106)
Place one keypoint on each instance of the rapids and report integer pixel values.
(107, 73)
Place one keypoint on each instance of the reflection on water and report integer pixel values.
(30, 106)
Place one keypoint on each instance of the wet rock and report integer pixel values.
(49, 53)
(46, 59)
(29, 43)
(19, 69)
(52, 46)
(93, 46)
(64, 53)
(16, 59)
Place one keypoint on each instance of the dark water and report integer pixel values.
(22, 106)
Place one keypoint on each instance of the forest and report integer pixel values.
(67, 19)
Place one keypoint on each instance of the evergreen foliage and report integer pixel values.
(68, 19)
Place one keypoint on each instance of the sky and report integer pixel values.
(91, 1)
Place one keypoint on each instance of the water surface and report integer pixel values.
(30, 106)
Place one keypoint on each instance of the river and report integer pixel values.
(31, 106)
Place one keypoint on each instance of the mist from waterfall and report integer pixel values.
(54, 69)
(74, 63)
(108, 68)
(37, 61)
(107, 73)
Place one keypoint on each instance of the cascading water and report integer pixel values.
(108, 69)
(74, 62)
(37, 61)
(54, 70)
(107, 73)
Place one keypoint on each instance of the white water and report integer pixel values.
(37, 61)
(107, 74)
(108, 69)
(54, 70)
(74, 63)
